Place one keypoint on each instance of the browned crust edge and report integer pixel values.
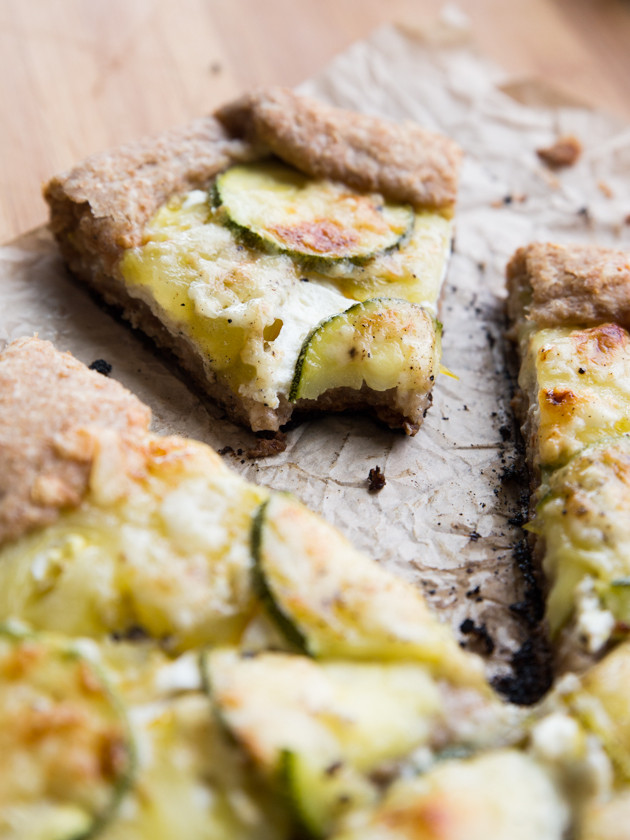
(51, 409)
(556, 285)
(553, 285)
(101, 207)
(402, 161)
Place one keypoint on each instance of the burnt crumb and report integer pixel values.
(134, 633)
(565, 151)
(581, 370)
(532, 673)
(505, 432)
(509, 199)
(516, 472)
(472, 593)
(226, 450)
(585, 213)
(481, 640)
(474, 536)
(376, 480)
(490, 338)
(101, 366)
(519, 519)
(304, 279)
(532, 607)
(267, 443)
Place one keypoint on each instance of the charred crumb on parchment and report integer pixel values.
(376, 480)
(531, 663)
(532, 673)
(480, 640)
(101, 366)
(532, 606)
(267, 443)
(495, 605)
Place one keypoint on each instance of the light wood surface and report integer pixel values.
(78, 76)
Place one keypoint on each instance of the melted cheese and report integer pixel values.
(503, 795)
(168, 552)
(579, 387)
(583, 520)
(65, 743)
(248, 312)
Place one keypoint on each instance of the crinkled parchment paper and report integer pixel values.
(443, 518)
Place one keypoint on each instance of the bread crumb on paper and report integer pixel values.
(565, 151)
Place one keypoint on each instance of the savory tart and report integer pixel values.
(569, 313)
(582, 732)
(289, 254)
(185, 653)
(209, 657)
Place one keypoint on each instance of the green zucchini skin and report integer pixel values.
(333, 602)
(287, 627)
(384, 342)
(273, 207)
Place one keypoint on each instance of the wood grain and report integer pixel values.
(78, 76)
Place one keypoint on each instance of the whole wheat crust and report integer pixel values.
(555, 285)
(583, 285)
(51, 409)
(101, 207)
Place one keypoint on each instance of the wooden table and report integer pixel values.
(77, 76)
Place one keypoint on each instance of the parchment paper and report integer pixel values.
(443, 518)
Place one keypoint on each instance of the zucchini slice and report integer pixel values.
(320, 221)
(332, 601)
(384, 343)
(322, 728)
(192, 783)
(171, 557)
(319, 796)
(583, 522)
(502, 794)
(600, 703)
(67, 755)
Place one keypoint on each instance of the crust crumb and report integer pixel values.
(565, 151)
(605, 189)
(101, 366)
(266, 446)
(376, 479)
